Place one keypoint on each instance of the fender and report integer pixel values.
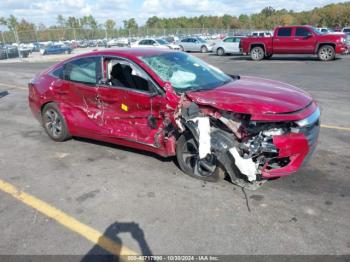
(257, 43)
(323, 43)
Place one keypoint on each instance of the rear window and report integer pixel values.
(284, 32)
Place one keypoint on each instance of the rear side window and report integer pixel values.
(143, 42)
(58, 72)
(228, 40)
(302, 31)
(284, 32)
(84, 70)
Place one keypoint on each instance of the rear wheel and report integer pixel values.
(257, 53)
(187, 155)
(220, 51)
(182, 48)
(54, 123)
(326, 53)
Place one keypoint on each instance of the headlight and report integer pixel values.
(310, 119)
(273, 132)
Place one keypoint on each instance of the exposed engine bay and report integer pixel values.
(247, 150)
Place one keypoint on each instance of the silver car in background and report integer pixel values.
(229, 45)
(195, 44)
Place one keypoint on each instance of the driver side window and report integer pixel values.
(124, 74)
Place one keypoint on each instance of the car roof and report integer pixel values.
(130, 53)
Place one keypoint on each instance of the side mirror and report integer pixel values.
(309, 34)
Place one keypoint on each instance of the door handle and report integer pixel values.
(60, 92)
(106, 99)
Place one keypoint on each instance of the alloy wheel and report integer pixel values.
(53, 123)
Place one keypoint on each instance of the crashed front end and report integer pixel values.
(249, 149)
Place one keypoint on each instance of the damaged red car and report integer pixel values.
(174, 104)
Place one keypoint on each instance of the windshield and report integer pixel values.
(316, 31)
(346, 30)
(186, 72)
(162, 42)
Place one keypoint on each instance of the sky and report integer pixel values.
(46, 11)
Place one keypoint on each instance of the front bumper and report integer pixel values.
(341, 49)
(294, 148)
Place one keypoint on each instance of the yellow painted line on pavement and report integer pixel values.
(13, 86)
(69, 222)
(336, 127)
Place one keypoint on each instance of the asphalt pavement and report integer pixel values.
(144, 202)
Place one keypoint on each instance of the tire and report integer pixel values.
(220, 51)
(257, 53)
(188, 159)
(204, 49)
(54, 123)
(182, 48)
(326, 53)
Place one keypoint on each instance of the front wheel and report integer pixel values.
(257, 53)
(54, 123)
(326, 53)
(187, 155)
(204, 49)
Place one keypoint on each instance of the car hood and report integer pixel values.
(252, 95)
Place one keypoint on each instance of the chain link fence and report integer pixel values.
(64, 34)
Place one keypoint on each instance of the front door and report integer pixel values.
(131, 106)
(304, 41)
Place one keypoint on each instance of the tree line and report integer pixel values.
(87, 27)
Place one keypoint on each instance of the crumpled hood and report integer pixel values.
(253, 95)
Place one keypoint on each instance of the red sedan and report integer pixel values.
(174, 104)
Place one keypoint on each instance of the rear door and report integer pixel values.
(235, 44)
(283, 42)
(80, 78)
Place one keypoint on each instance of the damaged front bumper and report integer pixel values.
(294, 149)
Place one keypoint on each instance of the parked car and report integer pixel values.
(9, 51)
(120, 42)
(228, 45)
(325, 30)
(346, 30)
(55, 49)
(261, 34)
(174, 104)
(155, 43)
(195, 44)
(172, 39)
(295, 40)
